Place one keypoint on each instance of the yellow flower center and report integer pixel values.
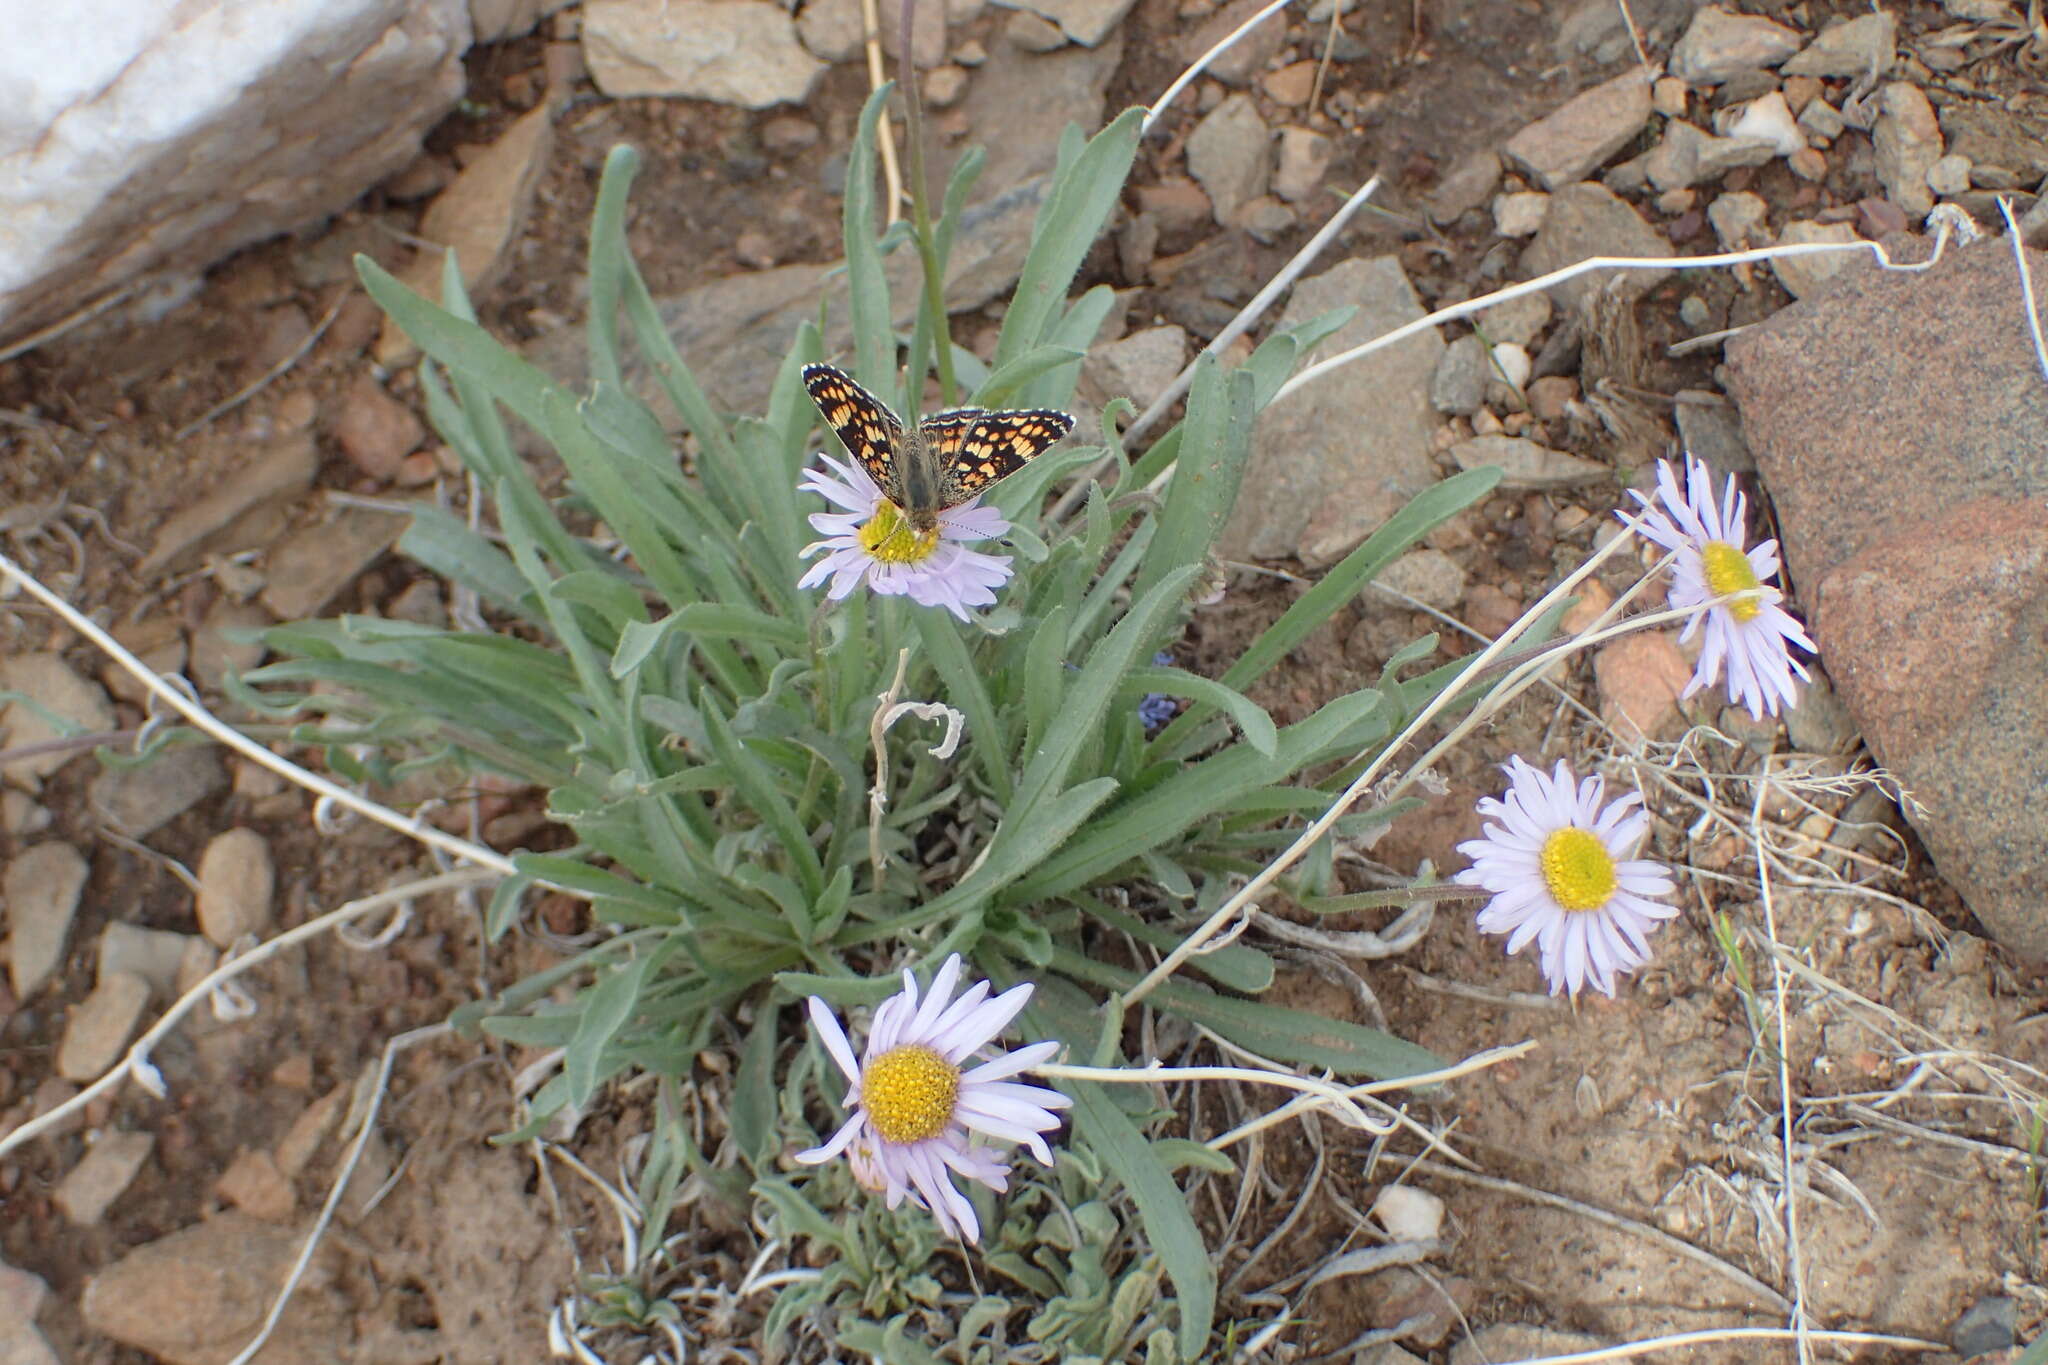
(1577, 869)
(909, 1092)
(1727, 570)
(889, 537)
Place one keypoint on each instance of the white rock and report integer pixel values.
(1769, 119)
(1907, 140)
(1409, 1214)
(236, 880)
(1526, 464)
(101, 1026)
(1519, 320)
(112, 1163)
(1086, 22)
(1511, 364)
(138, 136)
(742, 52)
(1304, 158)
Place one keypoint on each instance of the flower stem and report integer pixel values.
(921, 219)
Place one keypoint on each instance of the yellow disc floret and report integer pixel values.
(909, 1093)
(1728, 570)
(1577, 869)
(889, 537)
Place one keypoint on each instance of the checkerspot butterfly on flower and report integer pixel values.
(949, 458)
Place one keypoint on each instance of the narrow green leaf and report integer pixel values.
(755, 1097)
(867, 301)
(1046, 768)
(440, 543)
(606, 1007)
(1293, 1036)
(1084, 190)
(1211, 463)
(1170, 1227)
(607, 263)
(1004, 383)
(463, 347)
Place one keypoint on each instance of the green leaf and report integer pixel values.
(1192, 794)
(463, 347)
(1293, 1036)
(1003, 385)
(606, 1007)
(441, 544)
(1083, 193)
(756, 785)
(1046, 769)
(1169, 1221)
(1314, 608)
(755, 1096)
(867, 302)
(1213, 453)
(607, 261)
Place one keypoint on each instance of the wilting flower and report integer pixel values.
(1559, 867)
(872, 539)
(915, 1111)
(1750, 638)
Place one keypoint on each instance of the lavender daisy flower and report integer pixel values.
(1559, 868)
(914, 1109)
(871, 539)
(1750, 638)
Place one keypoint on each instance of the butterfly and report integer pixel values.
(949, 458)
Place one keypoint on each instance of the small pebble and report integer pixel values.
(944, 85)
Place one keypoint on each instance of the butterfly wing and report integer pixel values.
(863, 424)
(975, 449)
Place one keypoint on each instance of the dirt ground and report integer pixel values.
(1914, 1056)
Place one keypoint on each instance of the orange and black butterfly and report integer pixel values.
(949, 458)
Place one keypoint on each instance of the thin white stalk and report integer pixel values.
(1229, 910)
(1249, 315)
(1247, 318)
(199, 718)
(2019, 258)
(1588, 266)
(1788, 1149)
(136, 1060)
(1201, 64)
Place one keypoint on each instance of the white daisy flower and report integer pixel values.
(1559, 868)
(872, 539)
(914, 1110)
(1750, 638)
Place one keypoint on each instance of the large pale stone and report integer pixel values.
(139, 137)
(742, 52)
(1335, 459)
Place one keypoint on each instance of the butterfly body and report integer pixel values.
(947, 459)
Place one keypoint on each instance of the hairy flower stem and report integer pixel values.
(921, 224)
